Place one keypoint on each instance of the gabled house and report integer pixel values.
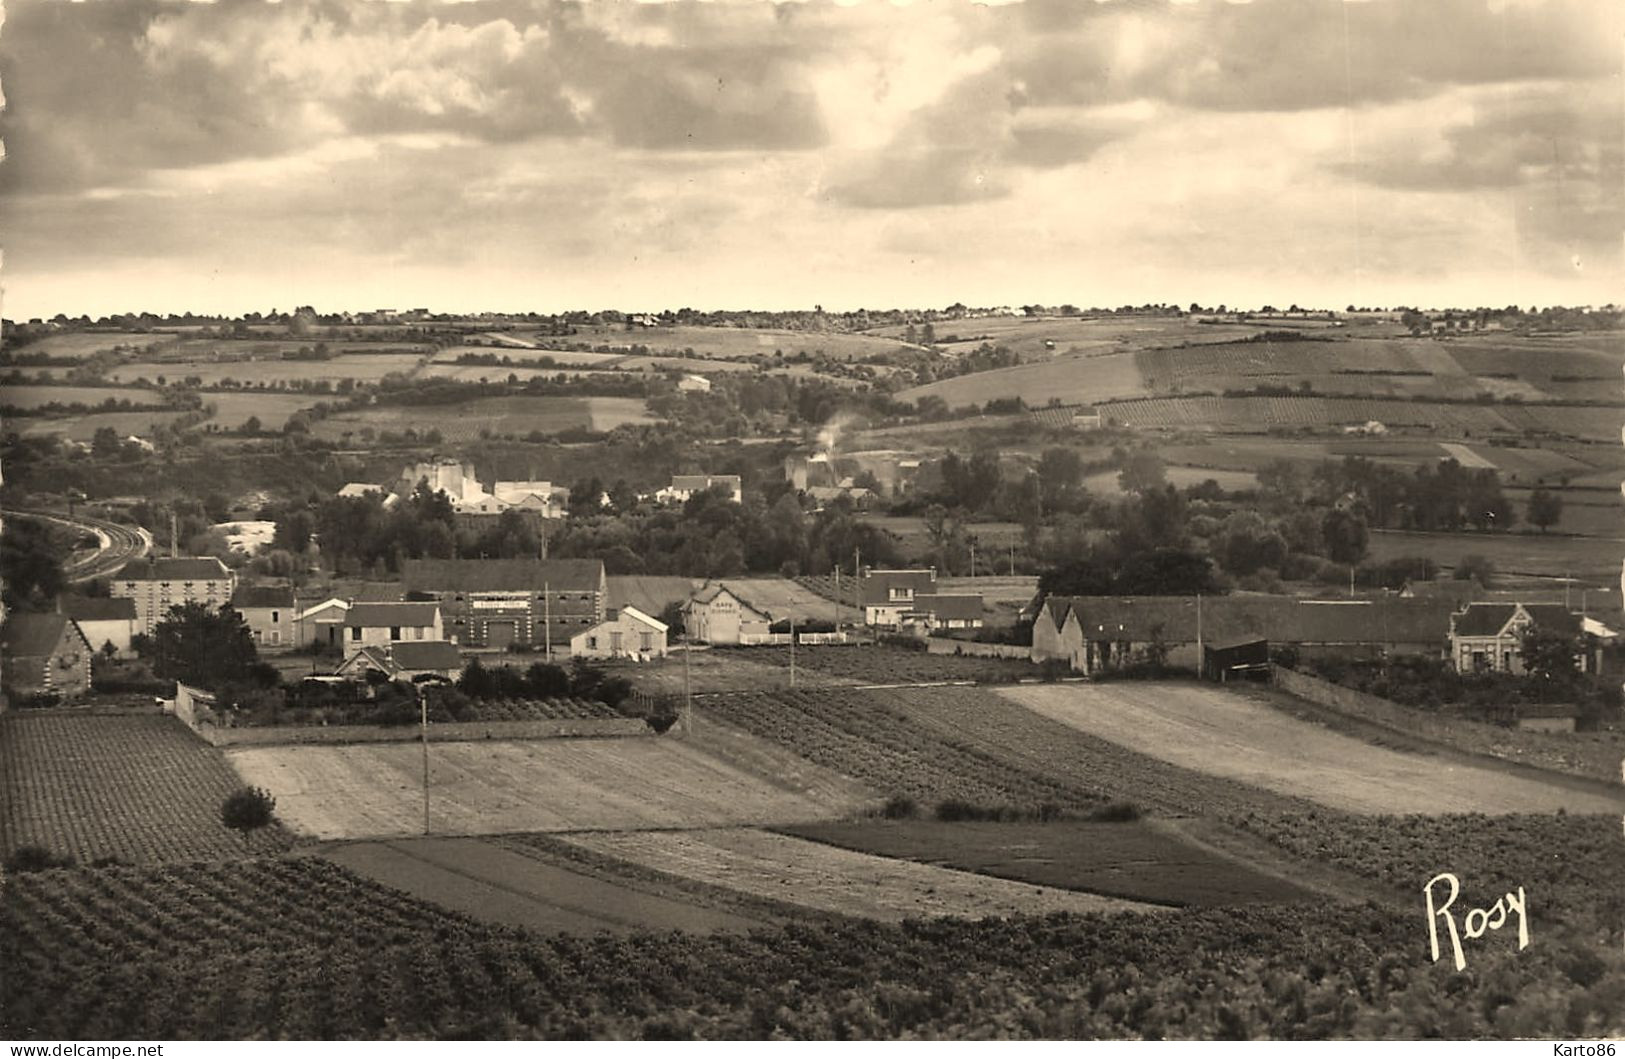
(158, 584)
(497, 602)
(888, 595)
(271, 613)
(407, 660)
(103, 620)
(321, 624)
(1489, 636)
(44, 654)
(718, 614)
(368, 624)
(943, 611)
(626, 633)
(684, 486)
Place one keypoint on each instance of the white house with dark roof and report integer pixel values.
(103, 620)
(626, 633)
(684, 486)
(368, 624)
(1489, 636)
(408, 660)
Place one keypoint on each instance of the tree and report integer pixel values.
(251, 425)
(1549, 655)
(1545, 508)
(1345, 535)
(209, 648)
(1166, 572)
(1478, 568)
(1086, 576)
(1142, 472)
(1060, 473)
(29, 565)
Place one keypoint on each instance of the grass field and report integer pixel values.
(1105, 483)
(1139, 861)
(993, 538)
(139, 788)
(501, 373)
(498, 884)
(468, 420)
(84, 427)
(39, 396)
(1073, 380)
(1593, 559)
(369, 791)
(82, 345)
(568, 359)
(358, 367)
(1029, 336)
(728, 342)
(1238, 737)
(817, 875)
(232, 410)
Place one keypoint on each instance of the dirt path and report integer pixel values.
(498, 885)
(1214, 731)
(829, 879)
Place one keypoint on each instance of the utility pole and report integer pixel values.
(1012, 557)
(1351, 580)
(837, 597)
(973, 559)
(1201, 655)
(423, 720)
(547, 619)
(688, 690)
(174, 545)
(792, 650)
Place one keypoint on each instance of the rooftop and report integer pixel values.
(503, 575)
(185, 568)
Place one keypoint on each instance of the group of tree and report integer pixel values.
(543, 680)
(1432, 496)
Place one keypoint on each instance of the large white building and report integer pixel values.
(155, 585)
(684, 486)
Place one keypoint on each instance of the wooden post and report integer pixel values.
(423, 715)
(792, 650)
(547, 619)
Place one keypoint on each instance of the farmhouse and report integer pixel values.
(155, 585)
(497, 602)
(44, 654)
(103, 621)
(1093, 633)
(626, 633)
(321, 624)
(409, 660)
(366, 624)
(888, 595)
(684, 486)
(943, 611)
(694, 384)
(1488, 636)
(542, 498)
(270, 612)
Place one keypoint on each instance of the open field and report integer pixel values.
(1588, 558)
(518, 415)
(1028, 336)
(82, 345)
(84, 427)
(913, 541)
(232, 410)
(273, 347)
(1072, 380)
(498, 885)
(139, 787)
(729, 342)
(503, 372)
(712, 671)
(1239, 737)
(650, 593)
(870, 663)
(356, 367)
(39, 396)
(1141, 861)
(370, 791)
(999, 590)
(1105, 483)
(525, 357)
(824, 877)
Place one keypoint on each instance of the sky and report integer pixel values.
(164, 155)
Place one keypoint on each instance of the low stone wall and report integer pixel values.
(938, 645)
(1590, 754)
(448, 732)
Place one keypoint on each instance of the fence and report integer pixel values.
(782, 639)
(971, 648)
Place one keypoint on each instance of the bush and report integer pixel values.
(1115, 813)
(248, 808)
(35, 858)
(900, 807)
(660, 722)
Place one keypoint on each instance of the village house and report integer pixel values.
(541, 498)
(947, 611)
(684, 486)
(1094, 633)
(406, 660)
(155, 585)
(1489, 636)
(103, 621)
(367, 624)
(321, 624)
(887, 596)
(44, 654)
(271, 613)
(718, 614)
(625, 633)
(694, 384)
(497, 602)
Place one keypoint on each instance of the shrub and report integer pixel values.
(248, 808)
(1115, 813)
(900, 807)
(35, 858)
(661, 722)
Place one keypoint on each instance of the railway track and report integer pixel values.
(118, 544)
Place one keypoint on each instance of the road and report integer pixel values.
(118, 544)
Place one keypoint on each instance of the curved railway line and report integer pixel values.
(118, 544)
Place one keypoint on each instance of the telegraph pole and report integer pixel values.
(792, 650)
(688, 689)
(547, 619)
(423, 721)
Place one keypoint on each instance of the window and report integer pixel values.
(276, 637)
(418, 633)
(276, 616)
(615, 641)
(355, 634)
(394, 632)
(592, 642)
(646, 641)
